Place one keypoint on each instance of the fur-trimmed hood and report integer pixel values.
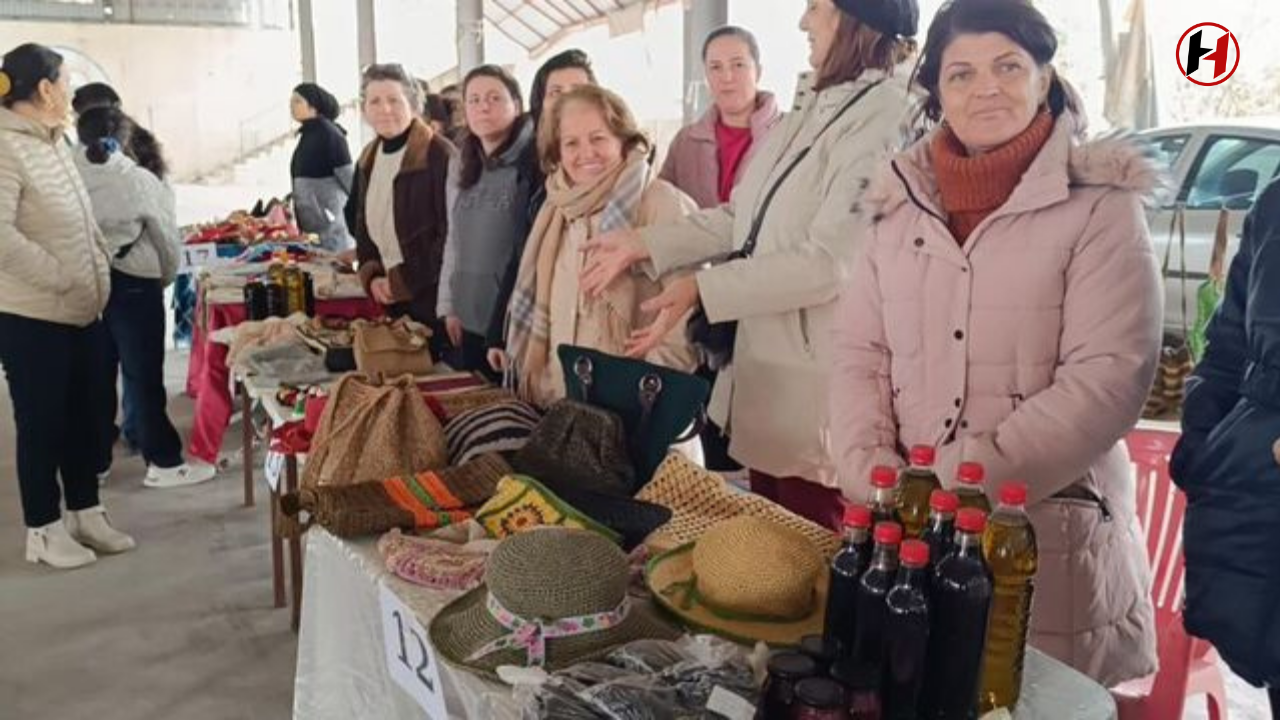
(1119, 161)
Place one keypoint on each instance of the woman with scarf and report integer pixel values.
(321, 167)
(598, 180)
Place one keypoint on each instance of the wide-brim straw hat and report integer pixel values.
(700, 499)
(748, 579)
(549, 574)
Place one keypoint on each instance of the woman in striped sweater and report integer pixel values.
(54, 283)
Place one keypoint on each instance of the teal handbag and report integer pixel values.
(659, 407)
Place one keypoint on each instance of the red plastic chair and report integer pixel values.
(1188, 666)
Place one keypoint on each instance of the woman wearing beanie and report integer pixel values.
(1007, 311)
(54, 283)
(136, 214)
(321, 168)
(489, 220)
(793, 213)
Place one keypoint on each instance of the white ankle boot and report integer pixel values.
(53, 545)
(91, 528)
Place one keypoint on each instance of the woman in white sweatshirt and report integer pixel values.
(54, 282)
(135, 211)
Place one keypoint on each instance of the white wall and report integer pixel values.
(201, 90)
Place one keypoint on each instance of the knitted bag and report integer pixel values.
(522, 503)
(579, 445)
(501, 427)
(700, 499)
(398, 347)
(370, 430)
(427, 500)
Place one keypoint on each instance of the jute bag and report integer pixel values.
(373, 429)
(392, 348)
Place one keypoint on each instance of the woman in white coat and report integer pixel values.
(793, 213)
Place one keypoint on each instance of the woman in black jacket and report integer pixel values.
(557, 76)
(322, 169)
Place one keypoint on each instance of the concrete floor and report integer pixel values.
(182, 628)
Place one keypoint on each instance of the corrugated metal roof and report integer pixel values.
(536, 25)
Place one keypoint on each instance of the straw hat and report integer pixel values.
(537, 603)
(700, 499)
(747, 579)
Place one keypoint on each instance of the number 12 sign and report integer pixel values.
(410, 658)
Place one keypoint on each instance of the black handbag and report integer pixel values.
(715, 341)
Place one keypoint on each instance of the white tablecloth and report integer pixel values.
(342, 670)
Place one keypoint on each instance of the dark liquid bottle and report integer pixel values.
(868, 635)
(847, 569)
(962, 590)
(884, 495)
(969, 487)
(940, 532)
(914, 489)
(907, 634)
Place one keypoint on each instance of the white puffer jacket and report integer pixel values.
(53, 262)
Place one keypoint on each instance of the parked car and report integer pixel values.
(1224, 165)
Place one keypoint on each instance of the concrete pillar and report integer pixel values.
(470, 35)
(307, 38)
(700, 18)
(366, 33)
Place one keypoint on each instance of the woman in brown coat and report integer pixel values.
(401, 208)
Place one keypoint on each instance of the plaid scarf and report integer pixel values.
(616, 196)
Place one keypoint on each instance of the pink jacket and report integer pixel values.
(693, 159)
(1030, 350)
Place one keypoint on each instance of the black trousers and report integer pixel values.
(715, 444)
(1275, 702)
(135, 324)
(57, 383)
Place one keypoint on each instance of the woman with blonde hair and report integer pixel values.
(598, 180)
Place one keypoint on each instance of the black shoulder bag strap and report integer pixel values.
(749, 246)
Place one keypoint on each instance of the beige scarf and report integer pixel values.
(617, 195)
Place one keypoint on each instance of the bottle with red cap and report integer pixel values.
(970, 488)
(907, 634)
(1009, 547)
(941, 528)
(961, 597)
(868, 633)
(915, 486)
(847, 568)
(884, 494)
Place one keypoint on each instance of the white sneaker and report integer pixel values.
(54, 546)
(92, 528)
(185, 474)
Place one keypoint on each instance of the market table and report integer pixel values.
(209, 379)
(343, 670)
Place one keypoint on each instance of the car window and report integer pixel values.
(1168, 149)
(1231, 172)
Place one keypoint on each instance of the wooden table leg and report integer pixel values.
(295, 545)
(246, 455)
(277, 552)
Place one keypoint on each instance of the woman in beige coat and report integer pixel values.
(1007, 311)
(598, 179)
(54, 283)
(801, 190)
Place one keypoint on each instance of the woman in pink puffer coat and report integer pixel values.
(1007, 310)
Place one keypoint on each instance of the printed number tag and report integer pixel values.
(410, 657)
